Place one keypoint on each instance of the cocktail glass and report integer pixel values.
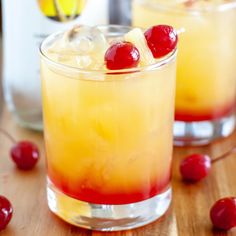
(108, 137)
(206, 75)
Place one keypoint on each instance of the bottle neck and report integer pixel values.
(120, 12)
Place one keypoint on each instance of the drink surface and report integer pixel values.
(207, 53)
(108, 136)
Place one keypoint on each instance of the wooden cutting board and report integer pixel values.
(187, 216)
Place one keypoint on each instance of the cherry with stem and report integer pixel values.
(197, 166)
(24, 153)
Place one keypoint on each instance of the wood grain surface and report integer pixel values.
(187, 216)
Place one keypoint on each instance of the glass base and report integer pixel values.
(26, 111)
(203, 132)
(107, 217)
(30, 120)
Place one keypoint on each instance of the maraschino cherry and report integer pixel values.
(197, 166)
(223, 213)
(5, 212)
(161, 39)
(121, 55)
(25, 154)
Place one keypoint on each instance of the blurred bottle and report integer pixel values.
(25, 24)
(119, 12)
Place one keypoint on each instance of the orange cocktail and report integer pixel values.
(206, 78)
(108, 135)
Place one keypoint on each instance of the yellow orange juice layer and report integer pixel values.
(206, 74)
(109, 137)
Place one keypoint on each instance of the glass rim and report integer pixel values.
(197, 11)
(160, 63)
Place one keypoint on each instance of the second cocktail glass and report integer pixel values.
(206, 74)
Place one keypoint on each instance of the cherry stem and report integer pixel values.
(7, 135)
(233, 150)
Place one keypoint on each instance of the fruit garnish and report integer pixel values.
(25, 154)
(223, 213)
(195, 167)
(5, 212)
(161, 39)
(136, 37)
(122, 55)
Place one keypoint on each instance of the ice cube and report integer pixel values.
(85, 39)
(86, 44)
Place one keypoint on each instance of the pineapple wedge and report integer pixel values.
(137, 37)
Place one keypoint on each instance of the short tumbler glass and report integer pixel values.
(206, 70)
(108, 137)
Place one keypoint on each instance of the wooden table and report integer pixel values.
(188, 215)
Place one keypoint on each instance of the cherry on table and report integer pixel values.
(223, 213)
(5, 212)
(195, 167)
(122, 55)
(161, 39)
(25, 154)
